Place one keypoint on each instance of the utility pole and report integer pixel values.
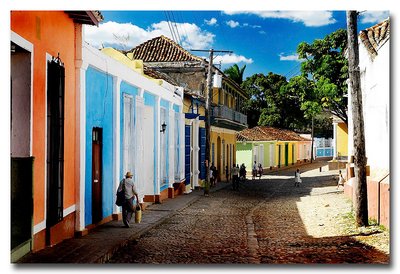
(360, 160)
(312, 138)
(207, 114)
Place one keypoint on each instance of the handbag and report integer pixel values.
(138, 214)
(121, 196)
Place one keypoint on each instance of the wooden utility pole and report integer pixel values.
(207, 115)
(360, 160)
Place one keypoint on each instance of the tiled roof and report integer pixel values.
(161, 49)
(374, 37)
(159, 75)
(86, 17)
(263, 133)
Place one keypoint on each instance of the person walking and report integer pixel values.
(297, 178)
(341, 180)
(227, 174)
(254, 171)
(260, 170)
(235, 177)
(131, 198)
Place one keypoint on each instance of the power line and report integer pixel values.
(171, 28)
(176, 27)
(183, 24)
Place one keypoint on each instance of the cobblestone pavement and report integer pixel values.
(268, 221)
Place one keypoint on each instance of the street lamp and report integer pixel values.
(163, 127)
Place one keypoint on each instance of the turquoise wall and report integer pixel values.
(99, 113)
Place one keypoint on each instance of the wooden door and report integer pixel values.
(96, 175)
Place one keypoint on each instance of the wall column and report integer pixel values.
(335, 124)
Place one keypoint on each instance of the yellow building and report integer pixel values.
(168, 58)
(340, 143)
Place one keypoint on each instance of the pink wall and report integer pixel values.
(373, 198)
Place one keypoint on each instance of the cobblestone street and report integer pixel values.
(268, 221)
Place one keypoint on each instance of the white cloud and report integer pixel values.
(308, 18)
(232, 59)
(232, 24)
(126, 35)
(373, 17)
(292, 57)
(211, 22)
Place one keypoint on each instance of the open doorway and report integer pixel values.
(20, 141)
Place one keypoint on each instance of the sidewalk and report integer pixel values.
(101, 243)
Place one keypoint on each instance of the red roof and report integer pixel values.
(374, 37)
(263, 133)
(162, 49)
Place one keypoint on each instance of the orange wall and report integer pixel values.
(50, 32)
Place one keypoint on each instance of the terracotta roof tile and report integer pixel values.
(374, 37)
(263, 133)
(159, 75)
(162, 49)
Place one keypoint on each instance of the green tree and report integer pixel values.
(270, 104)
(325, 64)
(235, 73)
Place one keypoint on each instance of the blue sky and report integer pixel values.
(264, 41)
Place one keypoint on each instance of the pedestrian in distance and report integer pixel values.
(254, 170)
(340, 180)
(242, 173)
(297, 178)
(235, 177)
(214, 175)
(227, 173)
(211, 177)
(131, 198)
(260, 170)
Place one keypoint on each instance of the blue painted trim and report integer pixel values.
(150, 100)
(132, 91)
(163, 187)
(99, 113)
(191, 115)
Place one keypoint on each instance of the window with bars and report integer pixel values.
(129, 149)
(55, 140)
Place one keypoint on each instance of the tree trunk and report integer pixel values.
(360, 202)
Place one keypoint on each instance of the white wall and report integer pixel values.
(375, 86)
(144, 160)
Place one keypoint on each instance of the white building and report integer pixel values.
(374, 50)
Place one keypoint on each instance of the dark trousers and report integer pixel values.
(235, 179)
(127, 210)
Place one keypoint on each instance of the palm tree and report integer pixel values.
(235, 73)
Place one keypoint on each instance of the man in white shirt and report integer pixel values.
(131, 198)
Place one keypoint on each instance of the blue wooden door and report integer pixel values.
(202, 153)
(187, 153)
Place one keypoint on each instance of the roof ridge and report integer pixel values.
(375, 37)
(162, 48)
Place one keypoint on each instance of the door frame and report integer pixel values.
(97, 208)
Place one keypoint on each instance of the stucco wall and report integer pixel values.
(244, 154)
(99, 113)
(342, 140)
(226, 138)
(52, 33)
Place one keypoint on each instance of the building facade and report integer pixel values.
(45, 54)
(271, 147)
(374, 55)
(190, 72)
(131, 123)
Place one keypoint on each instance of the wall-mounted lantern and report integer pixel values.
(163, 127)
